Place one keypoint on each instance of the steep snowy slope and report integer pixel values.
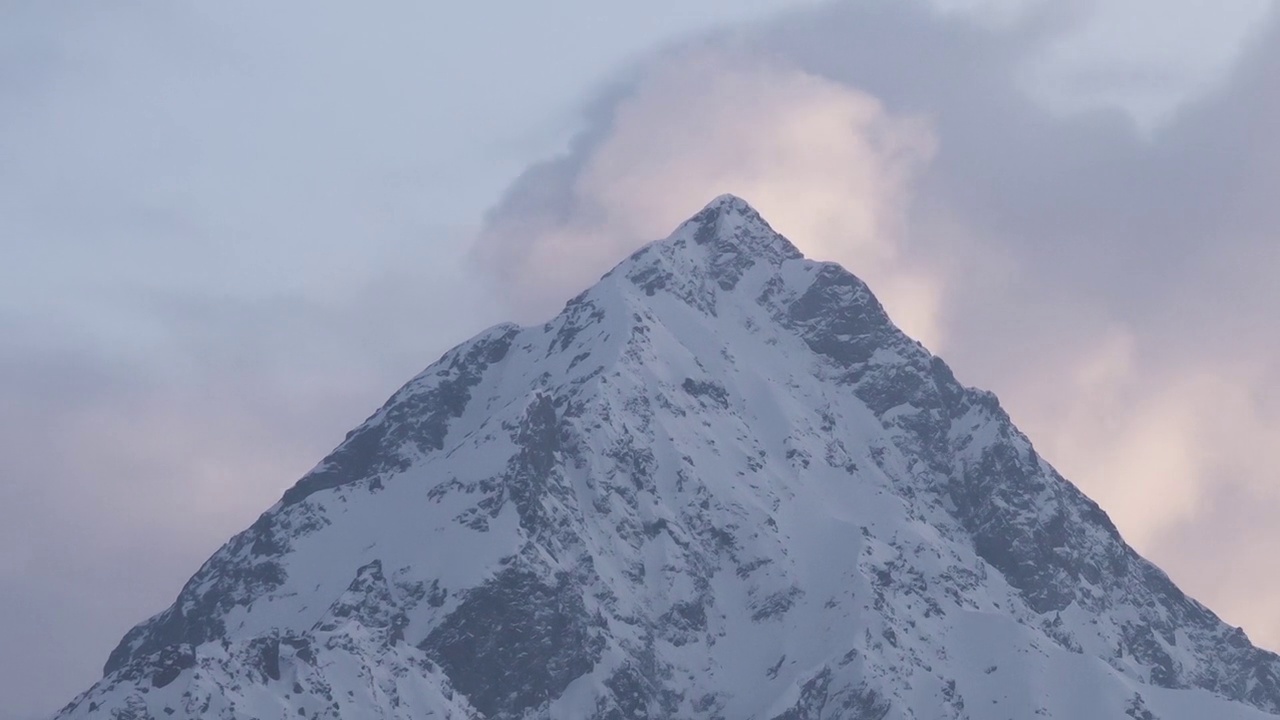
(720, 484)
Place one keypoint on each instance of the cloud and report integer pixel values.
(825, 162)
(1109, 275)
(1156, 442)
(230, 231)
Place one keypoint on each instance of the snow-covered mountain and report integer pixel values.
(720, 484)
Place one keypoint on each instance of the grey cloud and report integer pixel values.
(273, 203)
(1114, 283)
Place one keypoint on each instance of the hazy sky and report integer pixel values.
(230, 230)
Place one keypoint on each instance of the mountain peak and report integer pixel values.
(714, 248)
(729, 218)
(731, 204)
(720, 484)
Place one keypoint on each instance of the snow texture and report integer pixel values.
(720, 484)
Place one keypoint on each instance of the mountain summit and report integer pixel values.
(719, 484)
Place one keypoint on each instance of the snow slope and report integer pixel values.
(720, 484)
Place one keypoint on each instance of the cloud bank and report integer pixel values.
(1112, 281)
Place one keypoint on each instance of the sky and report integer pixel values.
(231, 230)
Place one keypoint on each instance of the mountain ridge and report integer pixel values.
(720, 483)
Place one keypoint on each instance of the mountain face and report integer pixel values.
(720, 484)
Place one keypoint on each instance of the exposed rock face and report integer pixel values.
(720, 484)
